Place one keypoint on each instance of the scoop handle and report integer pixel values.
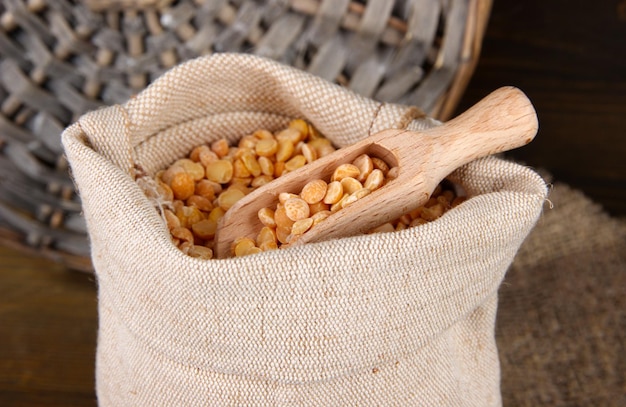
(503, 120)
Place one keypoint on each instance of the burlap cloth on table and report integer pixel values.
(561, 324)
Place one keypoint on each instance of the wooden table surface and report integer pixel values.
(568, 57)
(48, 329)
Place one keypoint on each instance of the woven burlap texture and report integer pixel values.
(404, 318)
(561, 325)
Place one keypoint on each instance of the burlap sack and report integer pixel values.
(403, 318)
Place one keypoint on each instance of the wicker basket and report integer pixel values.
(62, 58)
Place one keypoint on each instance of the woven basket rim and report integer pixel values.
(475, 25)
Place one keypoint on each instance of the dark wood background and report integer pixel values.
(568, 56)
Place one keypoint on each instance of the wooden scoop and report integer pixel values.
(502, 121)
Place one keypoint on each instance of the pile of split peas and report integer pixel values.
(199, 189)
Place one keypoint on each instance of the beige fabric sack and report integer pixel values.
(391, 319)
